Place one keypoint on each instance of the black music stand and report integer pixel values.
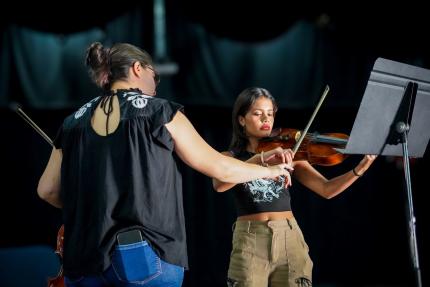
(393, 120)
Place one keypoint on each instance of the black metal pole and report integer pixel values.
(403, 129)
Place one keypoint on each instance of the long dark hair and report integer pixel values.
(107, 65)
(243, 103)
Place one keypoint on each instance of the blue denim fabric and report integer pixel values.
(134, 264)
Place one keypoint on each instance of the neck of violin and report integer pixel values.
(330, 140)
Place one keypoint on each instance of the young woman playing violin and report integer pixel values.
(268, 245)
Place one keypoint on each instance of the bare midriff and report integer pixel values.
(267, 216)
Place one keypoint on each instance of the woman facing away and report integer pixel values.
(268, 246)
(114, 175)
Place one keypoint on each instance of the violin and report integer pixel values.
(58, 281)
(318, 149)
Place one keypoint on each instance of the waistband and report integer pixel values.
(263, 226)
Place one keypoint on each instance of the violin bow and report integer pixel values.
(57, 281)
(305, 131)
(17, 108)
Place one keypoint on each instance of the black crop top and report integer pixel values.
(260, 195)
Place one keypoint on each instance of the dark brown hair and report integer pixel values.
(243, 103)
(107, 65)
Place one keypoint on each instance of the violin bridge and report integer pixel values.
(297, 136)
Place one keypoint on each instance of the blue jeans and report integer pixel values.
(133, 264)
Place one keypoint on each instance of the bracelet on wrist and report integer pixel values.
(355, 173)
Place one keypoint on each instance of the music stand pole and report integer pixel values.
(403, 128)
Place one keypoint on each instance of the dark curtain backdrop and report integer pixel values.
(46, 70)
(359, 238)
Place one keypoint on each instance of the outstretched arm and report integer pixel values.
(196, 153)
(221, 186)
(274, 156)
(49, 183)
(316, 182)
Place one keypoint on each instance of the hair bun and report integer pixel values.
(97, 61)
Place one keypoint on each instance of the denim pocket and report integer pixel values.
(136, 262)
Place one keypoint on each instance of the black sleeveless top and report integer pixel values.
(128, 179)
(260, 195)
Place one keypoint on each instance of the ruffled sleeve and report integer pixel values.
(160, 118)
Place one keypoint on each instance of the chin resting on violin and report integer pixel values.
(263, 205)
